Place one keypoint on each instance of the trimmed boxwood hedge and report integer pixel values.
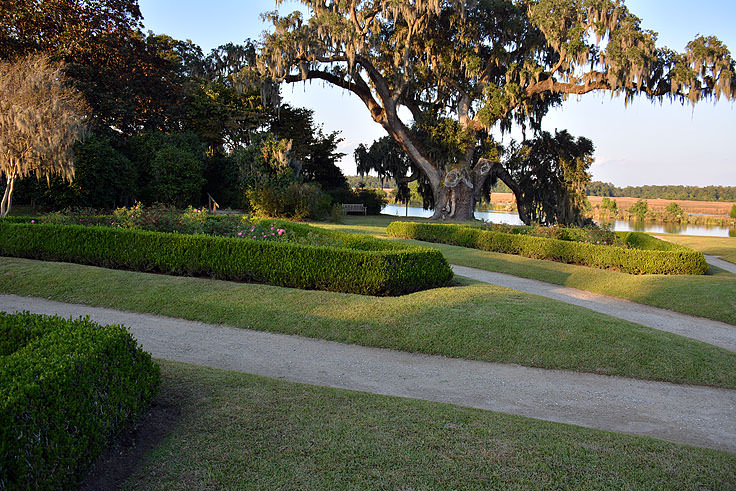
(648, 255)
(364, 265)
(66, 387)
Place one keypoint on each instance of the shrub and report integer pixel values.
(732, 214)
(664, 259)
(171, 167)
(362, 265)
(66, 387)
(591, 234)
(609, 204)
(639, 209)
(295, 200)
(674, 212)
(373, 199)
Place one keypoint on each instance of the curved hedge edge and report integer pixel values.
(391, 271)
(66, 388)
(679, 260)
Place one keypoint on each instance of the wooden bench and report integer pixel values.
(355, 208)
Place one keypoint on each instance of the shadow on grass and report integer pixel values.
(126, 454)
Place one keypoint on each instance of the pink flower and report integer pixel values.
(281, 231)
(33, 221)
(240, 234)
(253, 228)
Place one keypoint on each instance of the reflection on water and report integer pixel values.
(488, 216)
(619, 225)
(670, 228)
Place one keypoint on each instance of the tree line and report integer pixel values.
(695, 193)
(180, 123)
(165, 121)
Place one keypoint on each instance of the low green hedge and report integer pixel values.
(668, 259)
(363, 265)
(66, 387)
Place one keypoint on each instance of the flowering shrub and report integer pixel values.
(162, 218)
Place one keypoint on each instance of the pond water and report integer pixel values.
(513, 219)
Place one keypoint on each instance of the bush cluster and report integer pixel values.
(297, 200)
(590, 235)
(362, 264)
(66, 387)
(647, 255)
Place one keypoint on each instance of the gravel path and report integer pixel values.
(694, 415)
(717, 261)
(709, 331)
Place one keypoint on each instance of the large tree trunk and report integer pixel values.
(461, 189)
(455, 198)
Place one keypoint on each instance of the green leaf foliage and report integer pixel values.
(362, 265)
(647, 255)
(66, 387)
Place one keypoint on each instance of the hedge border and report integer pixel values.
(66, 388)
(366, 266)
(673, 259)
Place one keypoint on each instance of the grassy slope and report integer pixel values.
(724, 247)
(244, 431)
(712, 295)
(470, 320)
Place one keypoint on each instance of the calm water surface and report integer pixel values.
(513, 219)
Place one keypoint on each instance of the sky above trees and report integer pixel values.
(643, 144)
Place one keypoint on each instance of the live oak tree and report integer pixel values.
(462, 68)
(41, 118)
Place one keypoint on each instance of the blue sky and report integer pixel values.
(645, 143)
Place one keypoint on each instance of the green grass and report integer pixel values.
(250, 432)
(470, 320)
(712, 296)
(724, 247)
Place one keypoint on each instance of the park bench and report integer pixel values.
(355, 208)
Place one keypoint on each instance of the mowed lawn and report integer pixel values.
(242, 431)
(468, 320)
(712, 295)
(723, 247)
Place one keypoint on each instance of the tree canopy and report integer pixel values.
(462, 68)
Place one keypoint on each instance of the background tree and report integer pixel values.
(674, 212)
(552, 174)
(40, 120)
(315, 150)
(386, 158)
(462, 68)
(639, 209)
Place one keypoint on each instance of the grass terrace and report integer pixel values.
(467, 320)
(712, 295)
(231, 430)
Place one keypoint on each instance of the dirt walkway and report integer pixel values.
(709, 331)
(701, 416)
(720, 263)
